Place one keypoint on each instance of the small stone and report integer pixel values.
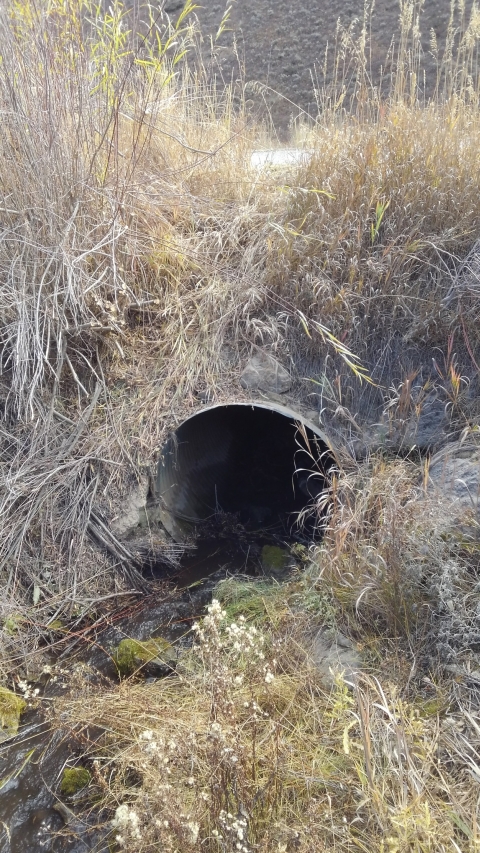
(333, 652)
(11, 707)
(264, 373)
(130, 515)
(155, 657)
(274, 559)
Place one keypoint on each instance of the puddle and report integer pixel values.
(32, 816)
(232, 555)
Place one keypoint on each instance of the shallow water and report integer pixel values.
(32, 816)
(30, 768)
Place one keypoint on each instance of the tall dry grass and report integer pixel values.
(141, 258)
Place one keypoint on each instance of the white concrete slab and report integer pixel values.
(280, 158)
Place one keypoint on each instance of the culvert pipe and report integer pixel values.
(261, 462)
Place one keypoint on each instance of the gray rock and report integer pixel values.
(173, 6)
(131, 513)
(454, 474)
(426, 429)
(333, 653)
(430, 428)
(263, 372)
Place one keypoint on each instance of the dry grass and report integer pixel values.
(223, 755)
(141, 259)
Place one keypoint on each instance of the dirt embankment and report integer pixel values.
(282, 45)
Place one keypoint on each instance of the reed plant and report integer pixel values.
(141, 260)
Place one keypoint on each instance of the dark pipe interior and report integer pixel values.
(250, 461)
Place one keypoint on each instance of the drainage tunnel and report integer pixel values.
(260, 462)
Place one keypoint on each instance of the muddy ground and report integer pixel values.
(282, 45)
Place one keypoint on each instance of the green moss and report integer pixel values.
(11, 707)
(73, 780)
(274, 559)
(13, 623)
(56, 625)
(132, 655)
(432, 707)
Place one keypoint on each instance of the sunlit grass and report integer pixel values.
(224, 755)
(141, 259)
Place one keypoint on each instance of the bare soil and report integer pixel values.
(282, 45)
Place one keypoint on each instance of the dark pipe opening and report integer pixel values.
(263, 464)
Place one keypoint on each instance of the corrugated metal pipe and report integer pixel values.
(260, 461)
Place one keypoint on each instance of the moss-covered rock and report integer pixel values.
(11, 707)
(154, 657)
(274, 559)
(74, 779)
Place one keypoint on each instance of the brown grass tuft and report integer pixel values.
(141, 260)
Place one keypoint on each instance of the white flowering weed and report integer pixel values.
(191, 784)
(127, 822)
